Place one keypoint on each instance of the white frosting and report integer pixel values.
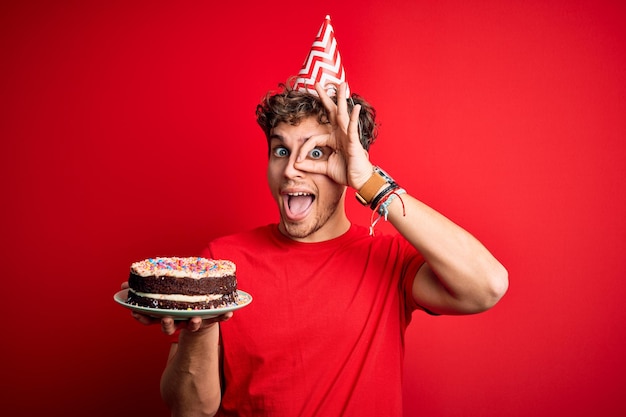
(181, 297)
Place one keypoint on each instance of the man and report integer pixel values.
(325, 332)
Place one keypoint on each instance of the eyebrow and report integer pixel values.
(277, 137)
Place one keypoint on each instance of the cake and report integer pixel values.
(182, 283)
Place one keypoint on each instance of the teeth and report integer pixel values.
(298, 194)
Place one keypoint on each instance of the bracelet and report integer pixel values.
(392, 186)
(370, 189)
(383, 210)
(383, 207)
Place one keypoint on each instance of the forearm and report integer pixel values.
(190, 384)
(470, 277)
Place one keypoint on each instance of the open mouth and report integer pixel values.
(297, 204)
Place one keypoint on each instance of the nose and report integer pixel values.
(290, 170)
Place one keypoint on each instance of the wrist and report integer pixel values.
(382, 202)
(385, 191)
(377, 184)
(363, 178)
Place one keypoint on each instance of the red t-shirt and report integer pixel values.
(324, 334)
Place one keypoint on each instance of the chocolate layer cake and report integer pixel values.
(182, 283)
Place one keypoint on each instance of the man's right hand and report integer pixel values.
(169, 326)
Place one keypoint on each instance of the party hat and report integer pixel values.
(323, 64)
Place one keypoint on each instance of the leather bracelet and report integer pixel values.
(366, 194)
(370, 189)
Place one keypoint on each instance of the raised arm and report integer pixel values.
(460, 275)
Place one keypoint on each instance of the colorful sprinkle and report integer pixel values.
(195, 267)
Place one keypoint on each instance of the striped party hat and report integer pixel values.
(323, 64)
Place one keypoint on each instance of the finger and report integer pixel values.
(353, 126)
(328, 103)
(313, 167)
(311, 143)
(125, 285)
(217, 319)
(334, 167)
(168, 325)
(194, 324)
(342, 119)
(317, 163)
(342, 102)
(143, 319)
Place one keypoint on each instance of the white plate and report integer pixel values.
(244, 299)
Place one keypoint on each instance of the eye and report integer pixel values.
(316, 153)
(280, 151)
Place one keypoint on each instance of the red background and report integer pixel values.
(128, 131)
